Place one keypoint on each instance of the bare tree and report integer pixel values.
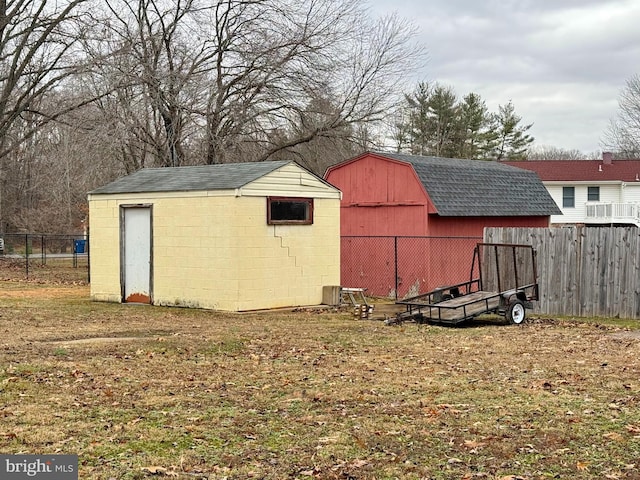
(239, 80)
(180, 82)
(546, 152)
(146, 56)
(48, 175)
(274, 60)
(38, 53)
(623, 133)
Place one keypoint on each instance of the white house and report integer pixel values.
(591, 192)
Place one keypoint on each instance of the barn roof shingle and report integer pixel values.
(197, 178)
(459, 187)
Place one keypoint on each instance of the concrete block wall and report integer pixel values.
(218, 252)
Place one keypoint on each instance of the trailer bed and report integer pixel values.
(454, 310)
(508, 268)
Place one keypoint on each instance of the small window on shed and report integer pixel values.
(289, 211)
(593, 194)
(568, 197)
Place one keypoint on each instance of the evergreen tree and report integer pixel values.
(417, 132)
(476, 137)
(513, 139)
(433, 121)
(443, 121)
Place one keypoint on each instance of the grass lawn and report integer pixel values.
(147, 392)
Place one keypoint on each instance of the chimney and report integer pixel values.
(607, 158)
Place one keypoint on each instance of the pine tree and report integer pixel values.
(476, 138)
(434, 122)
(513, 139)
(418, 131)
(443, 121)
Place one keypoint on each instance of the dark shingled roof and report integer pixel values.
(199, 178)
(480, 188)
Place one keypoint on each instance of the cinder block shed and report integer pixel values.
(234, 237)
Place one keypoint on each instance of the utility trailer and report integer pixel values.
(503, 280)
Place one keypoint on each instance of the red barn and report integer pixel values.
(395, 195)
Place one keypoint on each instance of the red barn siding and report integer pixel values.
(383, 220)
(474, 226)
(380, 197)
(374, 180)
(383, 197)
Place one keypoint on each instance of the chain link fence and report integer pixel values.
(401, 267)
(390, 267)
(52, 258)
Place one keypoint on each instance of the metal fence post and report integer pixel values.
(26, 253)
(88, 261)
(395, 262)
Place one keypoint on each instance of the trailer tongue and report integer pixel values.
(505, 283)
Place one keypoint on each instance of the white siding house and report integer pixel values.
(591, 192)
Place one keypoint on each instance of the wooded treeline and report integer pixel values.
(94, 89)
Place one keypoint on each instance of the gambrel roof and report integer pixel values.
(460, 187)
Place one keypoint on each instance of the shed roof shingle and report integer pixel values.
(459, 187)
(198, 178)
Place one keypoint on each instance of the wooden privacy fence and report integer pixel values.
(582, 271)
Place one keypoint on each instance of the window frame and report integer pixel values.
(308, 210)
(568, 201)
(590, 191)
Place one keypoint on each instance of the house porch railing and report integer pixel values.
(613, 213)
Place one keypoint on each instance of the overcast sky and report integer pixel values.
(563, 63)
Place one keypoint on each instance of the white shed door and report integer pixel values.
(136, 255)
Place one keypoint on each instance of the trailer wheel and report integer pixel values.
(516, 312)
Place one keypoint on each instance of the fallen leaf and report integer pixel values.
(582, 466)
(633, 428)
(614, 436)
(473, 444)
(159, 471)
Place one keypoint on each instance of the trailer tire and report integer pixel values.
(516, 312)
